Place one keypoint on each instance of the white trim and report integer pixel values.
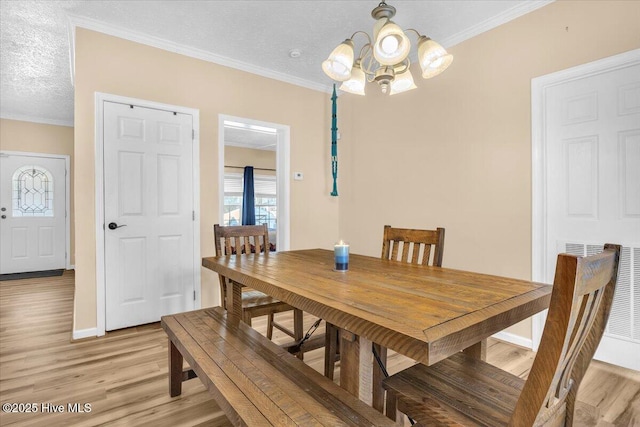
(283, 167)
(495, 21)
(100, 98)
(33, 119)
(539, 87)
(85, 333)
(160, 43)
(513, 339)
(67, 190)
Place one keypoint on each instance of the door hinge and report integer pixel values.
(194, 295)
(193, 215)
(193, 134)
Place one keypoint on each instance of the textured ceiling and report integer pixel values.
(36, 82)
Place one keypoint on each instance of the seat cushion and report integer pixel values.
(457, 390)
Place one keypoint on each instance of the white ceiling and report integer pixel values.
(36, 81)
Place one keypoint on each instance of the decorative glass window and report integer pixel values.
(32, 193)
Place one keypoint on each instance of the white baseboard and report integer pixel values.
(514, 339)
(85, 333)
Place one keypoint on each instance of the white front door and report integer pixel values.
(149, 214)
(32, 213)
(593, 189)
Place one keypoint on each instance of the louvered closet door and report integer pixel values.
(593, 189)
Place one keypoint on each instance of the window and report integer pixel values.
(32, 192)
(265, 200)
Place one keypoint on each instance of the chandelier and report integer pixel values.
(386, 59)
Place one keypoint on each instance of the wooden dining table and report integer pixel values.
(425, 313)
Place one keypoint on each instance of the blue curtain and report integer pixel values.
(248, 200)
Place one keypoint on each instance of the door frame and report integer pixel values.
(539, 87)
(100, 99)
(67, 190)
(283, 167)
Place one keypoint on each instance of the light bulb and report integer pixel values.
(389, 44)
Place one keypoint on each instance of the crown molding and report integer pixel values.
(491, 23)
(76, 21)
(157, 42)
(32, 119)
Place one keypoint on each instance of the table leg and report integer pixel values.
(175, 371)
(234, 300)
(477, 351)
(356, 366)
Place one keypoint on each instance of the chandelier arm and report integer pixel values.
(403, 66)
(361, 32)
(364, 51)
(415, 31)
(367, 61)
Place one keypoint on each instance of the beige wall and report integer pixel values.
(39, 138)
(115, 66)
(456, 152)
(237, 156)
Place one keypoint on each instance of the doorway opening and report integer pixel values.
(265, 147)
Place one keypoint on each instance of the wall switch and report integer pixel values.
(298, 176)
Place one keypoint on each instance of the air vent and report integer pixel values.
(624, 320)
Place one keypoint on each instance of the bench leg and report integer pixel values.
(477, 351)
(175, 371)
(391, 406)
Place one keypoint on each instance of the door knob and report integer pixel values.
(113, 225)
(4, 217)
(3, 209)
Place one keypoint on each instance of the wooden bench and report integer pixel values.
(254, 381)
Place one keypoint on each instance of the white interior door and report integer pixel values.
(32, 213)
(593, 189)
(149, 214)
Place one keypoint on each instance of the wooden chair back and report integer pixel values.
(241, 239)
(578, 313)
(415, 246)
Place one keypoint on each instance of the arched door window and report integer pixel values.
(32, 192)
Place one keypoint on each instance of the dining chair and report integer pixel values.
(461, 390)
(244, 239)
(425, 247)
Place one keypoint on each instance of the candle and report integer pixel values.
(341, 254)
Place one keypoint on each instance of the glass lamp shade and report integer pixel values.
(433, 58)
(356, 83)
(338, 65)
(391, 44)
(403, 82)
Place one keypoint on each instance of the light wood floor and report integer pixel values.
(124, 374)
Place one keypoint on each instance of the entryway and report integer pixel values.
(33, 212)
